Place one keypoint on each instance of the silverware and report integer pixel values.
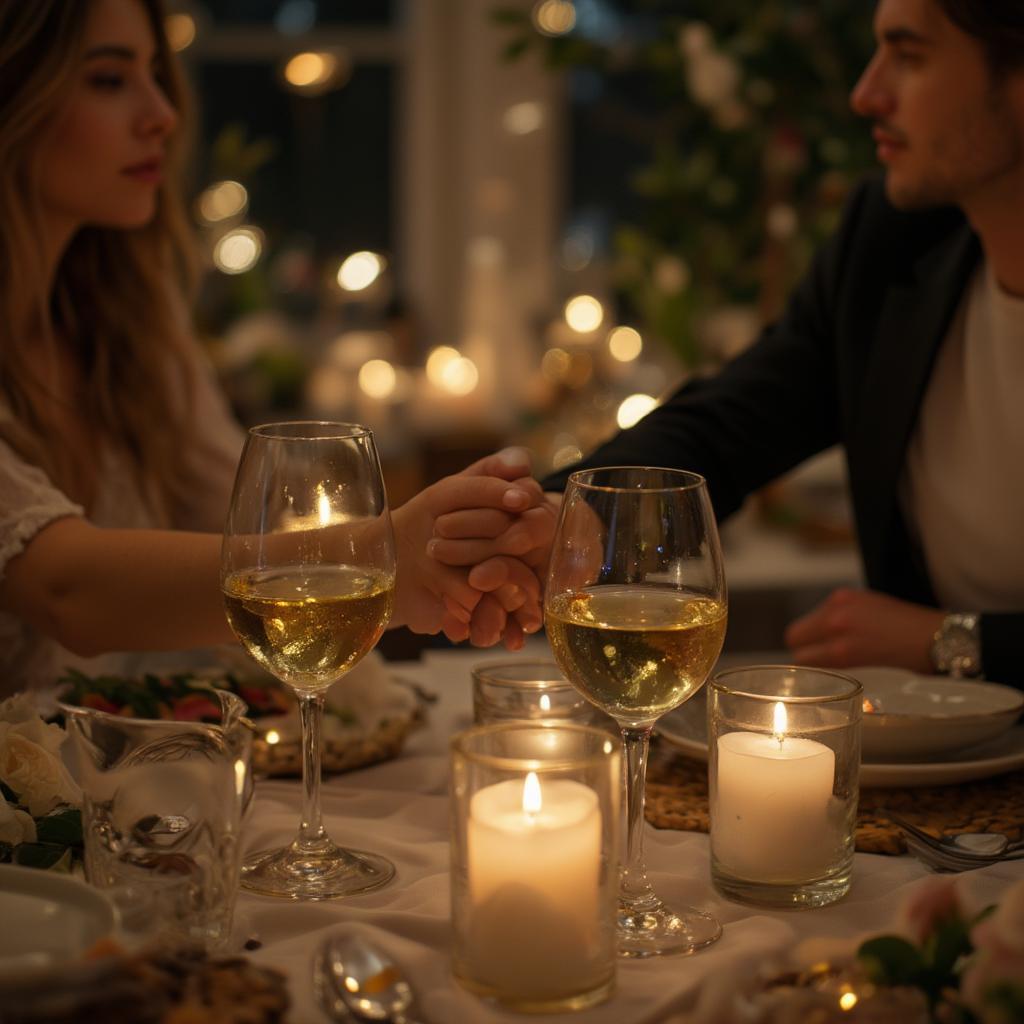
(365, 978)
(325, 989)
(962, 851)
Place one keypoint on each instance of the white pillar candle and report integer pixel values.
(534, 861)
(771, 820)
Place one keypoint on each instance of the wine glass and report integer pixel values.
(308, 576)
(635, 610)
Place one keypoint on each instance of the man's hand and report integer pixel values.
(863, 627)
(430, 595)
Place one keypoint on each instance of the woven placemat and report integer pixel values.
(677, 797)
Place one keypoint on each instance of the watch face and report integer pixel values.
(956, 649)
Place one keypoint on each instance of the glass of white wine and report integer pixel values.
(308, 576)
(635, 609)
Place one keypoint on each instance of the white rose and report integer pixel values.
(30, 765)
(19, 708)
(15, 826)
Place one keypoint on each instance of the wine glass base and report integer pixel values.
(329, 873)
(658, 930)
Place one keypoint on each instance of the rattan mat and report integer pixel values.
(677, 797)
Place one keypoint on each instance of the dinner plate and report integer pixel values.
(911, 717)
(686, 729)
(48, 920)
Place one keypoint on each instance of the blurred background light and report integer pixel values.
(360, 270)
(583, 313)
(238, 250)
(634, 409)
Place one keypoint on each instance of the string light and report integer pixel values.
(437, 360)
(314, 72)
(377, 378)
(180, 30)
(221, 201)
(554, 17)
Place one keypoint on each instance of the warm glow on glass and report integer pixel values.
(460, 376)
(625, 344)
(847, 1001)
(634, 409)
(240, 777)
(222, 200)
(323, 506)
(583, 313)
(273, 736)
(779, 721)
(359, 271)
(544, 702)
(438, 359)
(531, 794)
(566, 456)
(554, 17)
(310, 70)
(377, 378)
(180, 30)
(523, 118)
(238, 250)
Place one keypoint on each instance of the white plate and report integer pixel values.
(686, 729)
(48, 919)
(917, 718)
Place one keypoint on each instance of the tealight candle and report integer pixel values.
(785, 753)
(534, 863)
(772, 821)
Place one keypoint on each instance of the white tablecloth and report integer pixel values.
(400, 809)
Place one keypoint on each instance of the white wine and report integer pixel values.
(308, 625)
(635, 651)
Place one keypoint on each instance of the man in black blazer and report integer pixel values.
(854, 357)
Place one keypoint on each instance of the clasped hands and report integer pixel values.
(472, 552)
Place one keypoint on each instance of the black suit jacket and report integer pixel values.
(848, 362)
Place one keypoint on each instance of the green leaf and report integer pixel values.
(944, 948)
(62, 827)
(8, 794)
(891, 960)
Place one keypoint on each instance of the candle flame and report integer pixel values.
(780, 722)
(531, 794)
(323, 505)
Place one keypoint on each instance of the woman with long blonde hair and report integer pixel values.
(116, 449)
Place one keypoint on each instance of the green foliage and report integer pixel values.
(743, 113)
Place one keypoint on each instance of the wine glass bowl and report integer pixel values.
(636, 610)
(308, 577)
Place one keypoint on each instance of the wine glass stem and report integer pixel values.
(635, 890)
(312, 836)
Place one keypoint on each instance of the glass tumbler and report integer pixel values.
(163, 805)
(784, 758)
(535, 834)
(526, 690)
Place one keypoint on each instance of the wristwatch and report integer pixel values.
(956, 646)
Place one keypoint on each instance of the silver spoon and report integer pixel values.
(326, 991)
(969, 844)
(368, 980)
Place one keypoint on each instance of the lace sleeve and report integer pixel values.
(28, 502)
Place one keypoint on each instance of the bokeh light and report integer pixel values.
(222, 200)
(238, 250)
(625, 344)
(181, 31)
(437, 360)
(377, 378)
(554, 17)
(460, 376)
(634, 409)
(583, 313)
(523, 118)
(360, 270)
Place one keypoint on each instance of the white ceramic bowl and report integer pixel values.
(48, 920)
(910, 717)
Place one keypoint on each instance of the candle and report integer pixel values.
(772, 813)
(534, 879)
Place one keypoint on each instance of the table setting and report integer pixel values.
(494, 853)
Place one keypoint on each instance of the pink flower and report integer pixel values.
(999, 956)
(934, 902)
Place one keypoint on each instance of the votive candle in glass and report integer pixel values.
(784, 759)
(510, 690)
(535, 824)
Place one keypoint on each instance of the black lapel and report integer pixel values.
(913, 322)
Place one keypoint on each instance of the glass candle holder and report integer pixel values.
(526, 691)
(534, 879)
(784, 758)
